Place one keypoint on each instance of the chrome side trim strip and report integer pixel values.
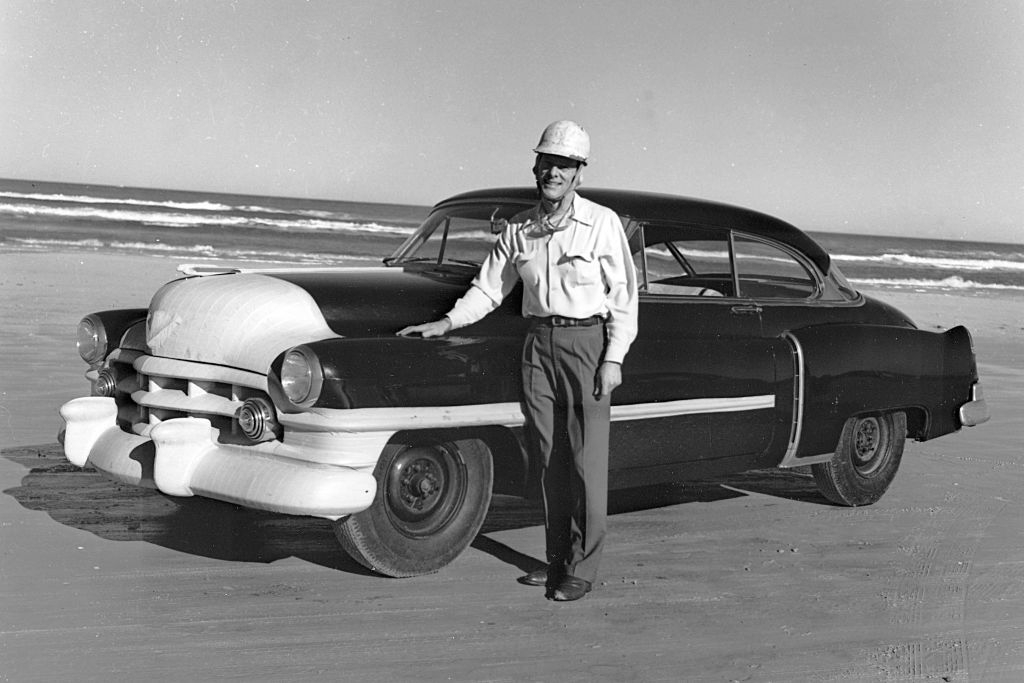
(506, 414)
(692, 406)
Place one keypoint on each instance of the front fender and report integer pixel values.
(413, 372)
(848, 370)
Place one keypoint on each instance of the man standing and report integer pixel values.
(579, 292)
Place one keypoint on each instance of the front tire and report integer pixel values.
(866, 459)
(431, 501)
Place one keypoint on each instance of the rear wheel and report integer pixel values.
(431, 501)
(866, 459)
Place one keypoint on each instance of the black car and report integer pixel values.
(287, 389)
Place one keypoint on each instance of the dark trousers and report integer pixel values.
(567, 433)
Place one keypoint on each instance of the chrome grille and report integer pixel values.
(151, 390)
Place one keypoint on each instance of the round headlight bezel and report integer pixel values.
(92, 339)
(302, 376)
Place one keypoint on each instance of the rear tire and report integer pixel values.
(431, 501)
(866, 459)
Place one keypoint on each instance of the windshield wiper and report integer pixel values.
(418, 259)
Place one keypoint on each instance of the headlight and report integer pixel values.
(92, 339)
(301, 376)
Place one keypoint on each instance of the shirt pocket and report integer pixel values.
(581, 267)
(529, 263)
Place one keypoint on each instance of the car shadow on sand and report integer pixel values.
(84, 500)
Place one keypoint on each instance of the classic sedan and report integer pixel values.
(287, 389)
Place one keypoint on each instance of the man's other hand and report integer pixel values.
(609, 376)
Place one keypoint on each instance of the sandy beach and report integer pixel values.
(751, 578)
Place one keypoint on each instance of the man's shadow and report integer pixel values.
(509, 512)
(85, 500)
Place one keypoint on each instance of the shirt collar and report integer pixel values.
(582, 210)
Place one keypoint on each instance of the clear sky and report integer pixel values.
(898, 117)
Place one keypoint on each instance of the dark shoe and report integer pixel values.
(570, 588)
(538, 577)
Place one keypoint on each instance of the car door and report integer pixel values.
(699, 381)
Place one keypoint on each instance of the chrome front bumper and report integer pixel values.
(181, 457)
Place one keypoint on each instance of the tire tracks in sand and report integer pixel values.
(952, 591)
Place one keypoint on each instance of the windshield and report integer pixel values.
(458, 234)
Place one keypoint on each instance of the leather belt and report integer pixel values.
(561, 321)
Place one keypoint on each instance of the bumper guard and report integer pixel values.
(181, 457)
(975, 411)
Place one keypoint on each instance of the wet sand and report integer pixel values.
(750, 578)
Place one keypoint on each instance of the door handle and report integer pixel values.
(746, 309)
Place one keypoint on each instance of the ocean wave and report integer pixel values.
(949, 263)
(43, 245)
(163, 248)
(199, 220)
(169, 204)
(472, 235)
(29, 244)
(952, 282)
(312, 213)
(86, 199)
(288, 257)
(203, 252)
(207, 252)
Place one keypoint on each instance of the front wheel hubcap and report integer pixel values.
(424, 489)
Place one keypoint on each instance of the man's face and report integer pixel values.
(556, 176)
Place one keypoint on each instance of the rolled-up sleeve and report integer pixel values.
(489, 288)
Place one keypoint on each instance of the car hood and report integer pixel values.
(246, 319)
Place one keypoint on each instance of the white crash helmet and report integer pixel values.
(565, 139)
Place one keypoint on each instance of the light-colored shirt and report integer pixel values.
(580, 270)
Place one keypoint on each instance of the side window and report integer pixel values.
(767, 272)
(682, 260)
